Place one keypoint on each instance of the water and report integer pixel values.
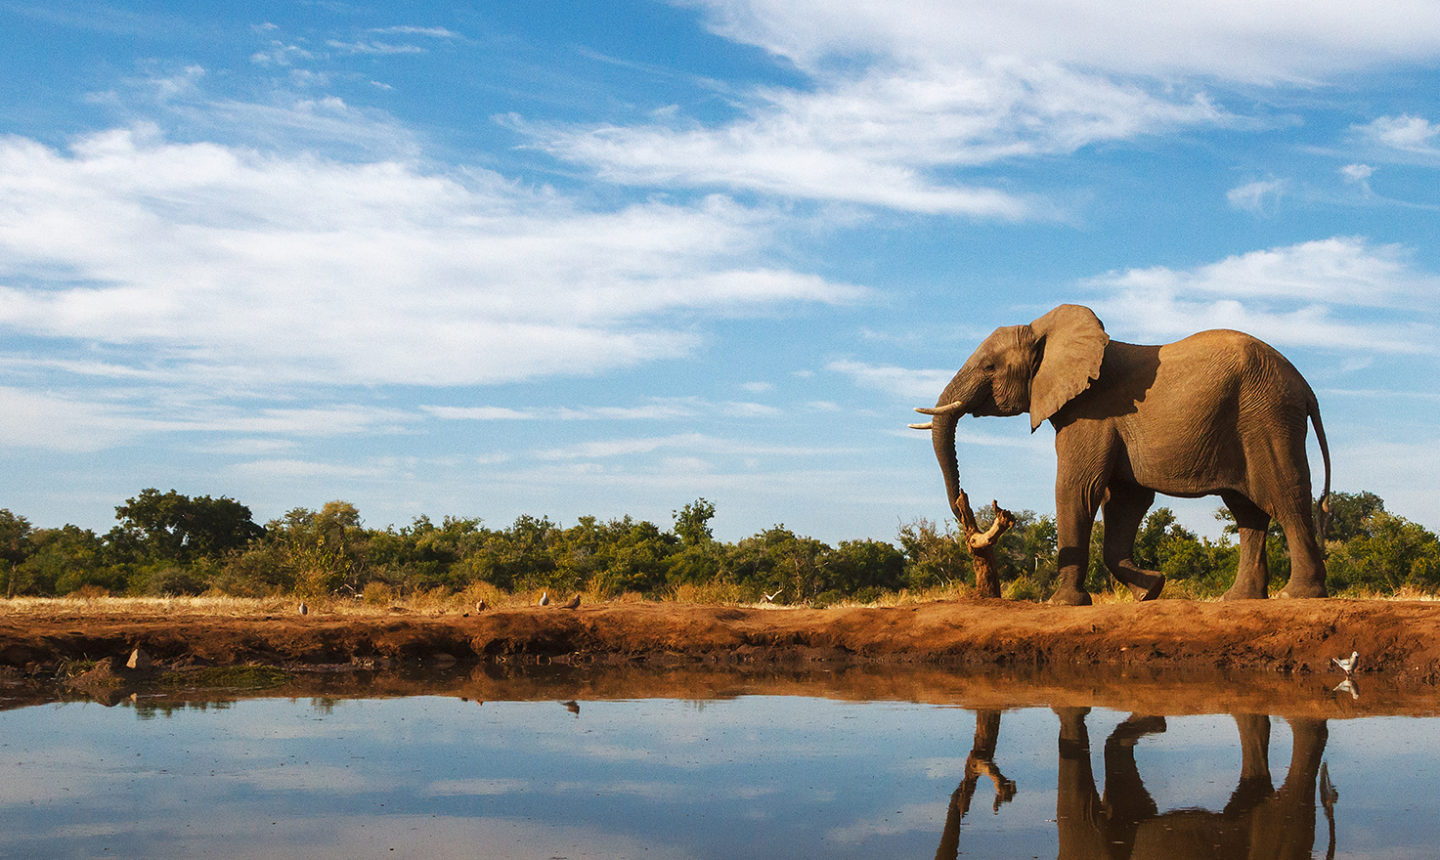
(748, 776)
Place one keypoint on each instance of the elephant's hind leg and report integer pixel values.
(1307, 562)
(1124, 509)
(1253, 574)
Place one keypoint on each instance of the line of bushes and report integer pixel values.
(169, 543)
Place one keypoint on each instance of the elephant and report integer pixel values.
(1258, 821)
(1219, 412)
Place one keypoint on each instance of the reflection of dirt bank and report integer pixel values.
(1258, 651)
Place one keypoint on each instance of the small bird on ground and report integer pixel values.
(770, 598)
(544, 598)
(480, 606)
(304, 610)
(572, 603)
(1347, 664)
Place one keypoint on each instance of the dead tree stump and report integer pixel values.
(982, 544)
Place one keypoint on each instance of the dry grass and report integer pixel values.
(381, 601)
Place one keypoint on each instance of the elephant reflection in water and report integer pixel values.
(1258, 821)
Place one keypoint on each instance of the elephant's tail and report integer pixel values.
(1323, 521)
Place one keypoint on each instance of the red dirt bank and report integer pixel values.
(1396, 639)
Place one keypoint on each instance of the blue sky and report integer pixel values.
(568, 258)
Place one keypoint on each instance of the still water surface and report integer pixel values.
(753, 776)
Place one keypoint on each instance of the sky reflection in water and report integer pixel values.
(758, 776)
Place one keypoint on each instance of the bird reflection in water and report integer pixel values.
(1258, 821)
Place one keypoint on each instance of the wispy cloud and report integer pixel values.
(689, 443)
(921, 386)
(1259, 197)
(374, 46)
(902, 103)
(1250, 42)
(411, 30)
(887, 139)
(85, 421)
(1406, 134)
(237, 262)
(1305, 294)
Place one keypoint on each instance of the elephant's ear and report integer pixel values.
(1072, 342)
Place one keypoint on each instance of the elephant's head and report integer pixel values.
(1037, 368)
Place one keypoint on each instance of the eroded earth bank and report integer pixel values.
(1167, 656)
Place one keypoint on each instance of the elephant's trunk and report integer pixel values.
(942, 436)
(954, 401)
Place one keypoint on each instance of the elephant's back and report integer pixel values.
(1242, 361)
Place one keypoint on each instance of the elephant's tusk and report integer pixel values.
(940, 410)
(930, 426)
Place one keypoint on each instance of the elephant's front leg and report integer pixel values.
(1074, 519)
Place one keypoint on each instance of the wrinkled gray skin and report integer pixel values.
(1218, 413)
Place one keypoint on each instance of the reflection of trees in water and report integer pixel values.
(980, 762)
(150, 710)
(1258, 821)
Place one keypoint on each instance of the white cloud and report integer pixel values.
(658, 409)
(1322, 293)
(221, 260)
(85, 422)
(374, 47)
(1259, 197)
(1409, 134)
(886, 138)
(902, 99)
(1358, 173)
(480, 413)
(1244, 40)
(698, 443)
(411, 30)
(271, 469)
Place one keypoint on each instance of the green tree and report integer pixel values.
(932, 557)
(172, 527)
(1349, 514)
(521, 557)
(64, 559)
(777, 559)
(700, 558)
(692, 523)
(1388, 552)
(14, 545)
(862, 569)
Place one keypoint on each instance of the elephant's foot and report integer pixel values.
(1148, 588)
(1246, 591)
(1070, 596)
(1304, 589)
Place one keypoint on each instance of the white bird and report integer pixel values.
(304, 610)
(770, 598)
(544, 598)
(1347, 664)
